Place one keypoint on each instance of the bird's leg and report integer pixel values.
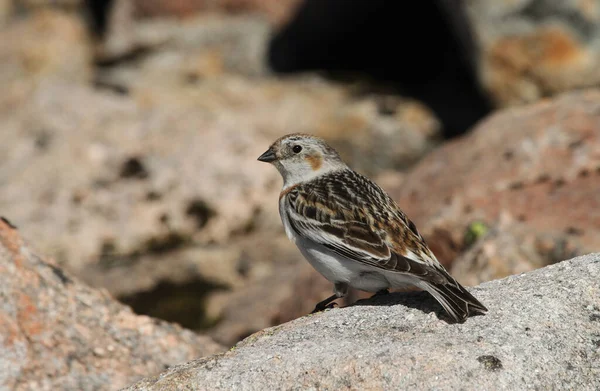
(322, 305)
(381, 292)
(340, 289)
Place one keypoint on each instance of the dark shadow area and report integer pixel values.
(97, 15)
(182, 303)
(7, 222)
(422, 49)
(421, 301)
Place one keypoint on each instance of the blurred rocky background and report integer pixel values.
(129, 132)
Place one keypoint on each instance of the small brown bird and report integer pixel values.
(352, 232)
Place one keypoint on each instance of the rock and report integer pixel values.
(290, 290)
(157, 182)
(541, 331)
(538, 164)
(66, 4)
(226, 292)
(129, 185)
(198, 48)
(160, 180)
(373, 132)
(123, 179)
(508, 248)
(114, 26)
(201, 46)
(536, 48)
(6, 9)
(216, 265)
(276, 11)
(33, 49)
(56, 333)
(381, 133)
(222, 39)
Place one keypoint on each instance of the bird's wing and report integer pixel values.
(353, 217)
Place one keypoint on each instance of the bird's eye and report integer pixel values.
(296, 148)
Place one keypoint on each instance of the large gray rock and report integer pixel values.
(542, 332)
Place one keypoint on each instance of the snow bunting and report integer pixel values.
(352, 232)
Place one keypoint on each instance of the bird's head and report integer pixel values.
(301, 157)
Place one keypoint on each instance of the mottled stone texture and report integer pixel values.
(536, 48)
(537, 166)
(58, 334)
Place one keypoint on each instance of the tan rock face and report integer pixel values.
(291, 290)
(536, 48)
(111, 176)
(60, 334)
(133, 26)
(6, 9)
(538, 164)
(96, 148)
(510, 248)
(47, 44)
(49, 3)
(277, 11)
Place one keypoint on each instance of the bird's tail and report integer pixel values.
(455, 299)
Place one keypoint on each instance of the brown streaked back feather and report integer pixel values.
(354, 217)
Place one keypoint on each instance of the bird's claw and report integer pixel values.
(325, 307)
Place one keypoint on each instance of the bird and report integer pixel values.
(352, 232)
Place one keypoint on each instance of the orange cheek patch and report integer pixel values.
(315, 162)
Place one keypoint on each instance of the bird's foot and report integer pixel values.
(323, 308)
(327, 303)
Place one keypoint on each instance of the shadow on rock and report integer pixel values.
(419, 300)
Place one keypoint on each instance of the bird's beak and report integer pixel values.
(268, 156)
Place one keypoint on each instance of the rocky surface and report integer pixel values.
(542, 331)
(203, 45)
(153, 148)
(277, 11)
(537, 165)
(57, 333)
(6, 9)
(509, 247)
(48, 44)
(111, 180)
(128, 27)
(290, 290)
(536, 48)
(116, 174)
